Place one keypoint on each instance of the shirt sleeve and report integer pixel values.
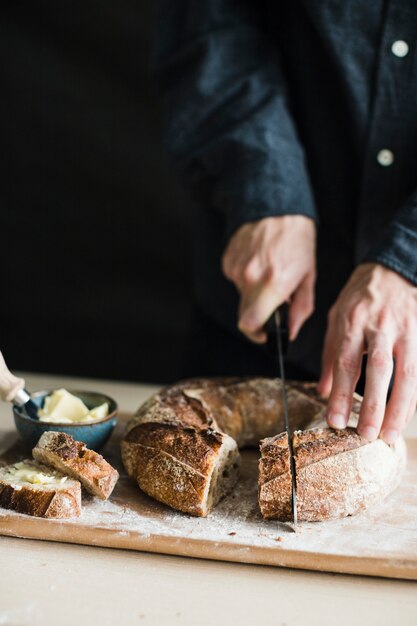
(396, 247)
(228, 123)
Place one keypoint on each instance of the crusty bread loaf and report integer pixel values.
(338, 473)
(58, 498)
(182, 445)
(181, 448)
(73, 458)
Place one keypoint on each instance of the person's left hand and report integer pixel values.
(376, 313)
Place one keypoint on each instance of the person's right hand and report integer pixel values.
(272, 261)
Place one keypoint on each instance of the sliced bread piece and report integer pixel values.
(35, 489)
(338, 473)
(73, 458)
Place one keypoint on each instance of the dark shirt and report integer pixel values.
(295, 107)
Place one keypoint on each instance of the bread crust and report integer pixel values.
(274, 481)
(338, 473)
(173, 444)
(73, 458)
(48, 501)
(174, 462)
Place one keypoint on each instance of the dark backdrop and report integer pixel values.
(95, 231)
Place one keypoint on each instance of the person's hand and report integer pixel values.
(376, 312)
(270, 262)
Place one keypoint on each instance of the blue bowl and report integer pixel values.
(93, 434)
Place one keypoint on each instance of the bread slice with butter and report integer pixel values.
(74, 459)
(35, 489)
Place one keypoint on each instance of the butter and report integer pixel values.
(29, 472)
(63, 407)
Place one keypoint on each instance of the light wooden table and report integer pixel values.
(46, 583)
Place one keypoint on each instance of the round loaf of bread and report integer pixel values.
(182, 448)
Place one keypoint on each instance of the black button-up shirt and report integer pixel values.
(295, 107)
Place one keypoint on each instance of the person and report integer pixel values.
(294, 125)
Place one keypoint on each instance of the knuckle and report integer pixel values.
(409, 324)
(347, 364)
(395, 416)
(372, 407)
(408, 371)
(341, 398)
(249, 273)
(380, 359)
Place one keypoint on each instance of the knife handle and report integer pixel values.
(10, 385)
(271, 330)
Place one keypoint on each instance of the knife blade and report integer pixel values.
(281, 341)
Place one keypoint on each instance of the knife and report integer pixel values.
(278, 340)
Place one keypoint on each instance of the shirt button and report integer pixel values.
(400, 48)
(385, 157)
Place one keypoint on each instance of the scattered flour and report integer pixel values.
(133, 520)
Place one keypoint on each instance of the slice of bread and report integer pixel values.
(35, 489)
(73, 458)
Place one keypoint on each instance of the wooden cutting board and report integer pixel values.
(381, 542)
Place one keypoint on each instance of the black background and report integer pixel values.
(95, 230)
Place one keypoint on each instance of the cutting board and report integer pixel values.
(381, 542)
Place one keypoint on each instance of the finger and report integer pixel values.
(257, 306)
(243, 272)
(302, 305)
(403, 391)
(378, 375)
(232, 262)
(258, 335)
(346, 371)
(329, 352)
(412, 408)
(253, 272)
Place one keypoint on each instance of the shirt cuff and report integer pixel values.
(397, 251)
(258, 191)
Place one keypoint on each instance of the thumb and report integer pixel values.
(257, 305)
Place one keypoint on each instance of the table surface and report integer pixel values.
(48, 583)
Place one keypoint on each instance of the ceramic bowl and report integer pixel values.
(93, 434)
